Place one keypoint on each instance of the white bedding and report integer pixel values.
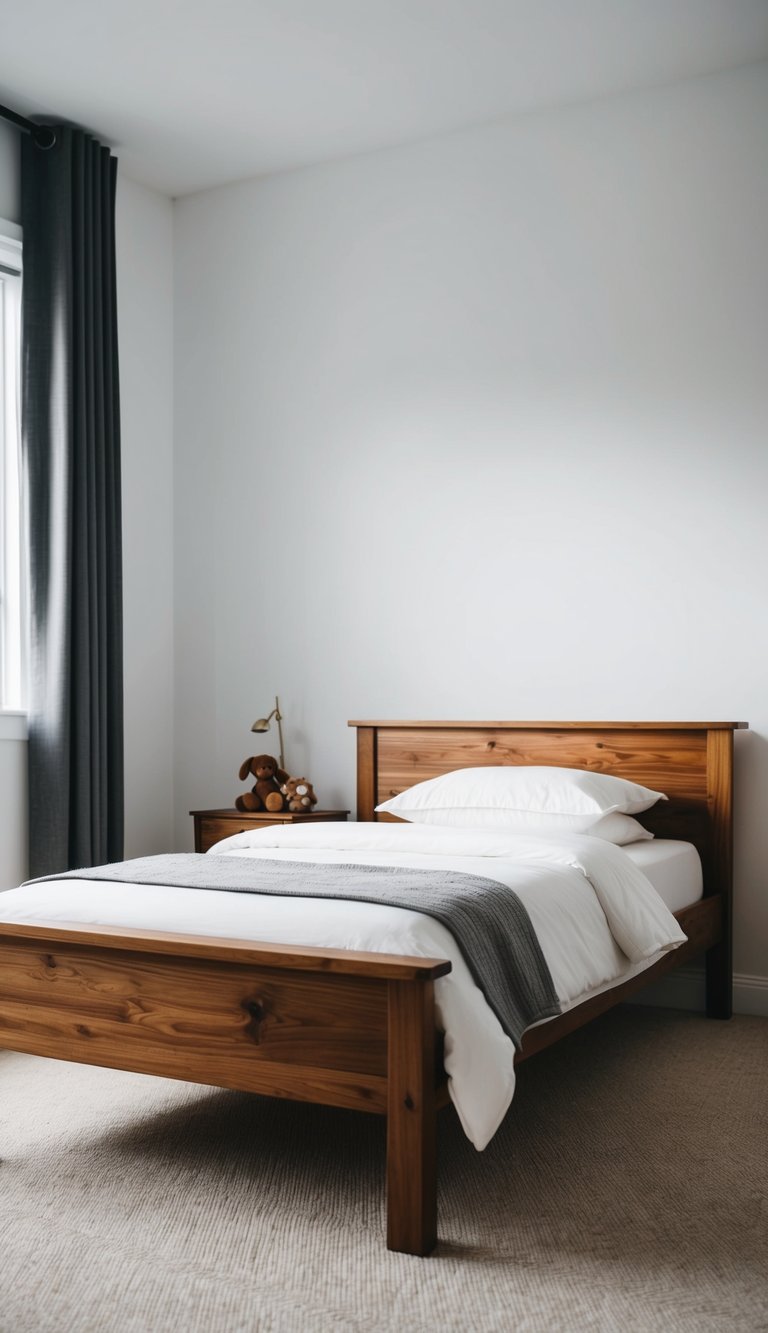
(674, 869)
(597, 917)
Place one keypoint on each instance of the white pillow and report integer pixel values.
(616, 828)
(529, 790)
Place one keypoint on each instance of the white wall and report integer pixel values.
(145, 314)
(13, 801)
(477, 427)
(144, 223)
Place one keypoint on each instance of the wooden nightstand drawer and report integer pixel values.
(213, 830)
(213, 825)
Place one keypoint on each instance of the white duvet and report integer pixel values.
(597, 917)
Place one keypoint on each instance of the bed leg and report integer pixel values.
(411, 1119)
(719, 980)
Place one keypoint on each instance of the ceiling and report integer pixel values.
(195, 93)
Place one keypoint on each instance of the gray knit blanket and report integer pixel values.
(486, 919)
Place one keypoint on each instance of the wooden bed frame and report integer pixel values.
(358, 1029)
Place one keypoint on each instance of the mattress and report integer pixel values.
(674, 869)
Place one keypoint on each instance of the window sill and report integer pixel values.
(13, 725)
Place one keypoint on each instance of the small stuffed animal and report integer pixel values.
(266, 793)
(299, 795)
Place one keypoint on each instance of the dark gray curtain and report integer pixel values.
(71, 438)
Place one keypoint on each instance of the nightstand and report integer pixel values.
(213, 825)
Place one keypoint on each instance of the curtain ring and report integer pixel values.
(44, 136)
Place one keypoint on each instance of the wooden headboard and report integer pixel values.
(692, 762)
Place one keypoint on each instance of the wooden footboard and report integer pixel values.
(341, 1028)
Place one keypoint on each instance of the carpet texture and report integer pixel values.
(626, 1190)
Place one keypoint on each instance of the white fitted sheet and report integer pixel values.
(674, 869)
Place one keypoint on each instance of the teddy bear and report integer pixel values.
(299, 795)
(266, 793)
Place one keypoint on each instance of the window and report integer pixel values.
(11, 563)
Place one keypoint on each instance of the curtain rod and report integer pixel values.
(43, 136)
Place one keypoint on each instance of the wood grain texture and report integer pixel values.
(209, 829)
(343, 962)
(366, 772)
(258, 818)
(292, 1034)
(411, 1127)
(676, 758)
(417, 726)
(719, 960)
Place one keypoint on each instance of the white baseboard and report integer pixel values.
(685, 990)
(750, 994)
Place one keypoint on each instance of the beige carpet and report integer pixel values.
(626, 1190)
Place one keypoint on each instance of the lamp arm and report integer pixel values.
(279, 720)
(262, 724)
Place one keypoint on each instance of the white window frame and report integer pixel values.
(12, 581)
